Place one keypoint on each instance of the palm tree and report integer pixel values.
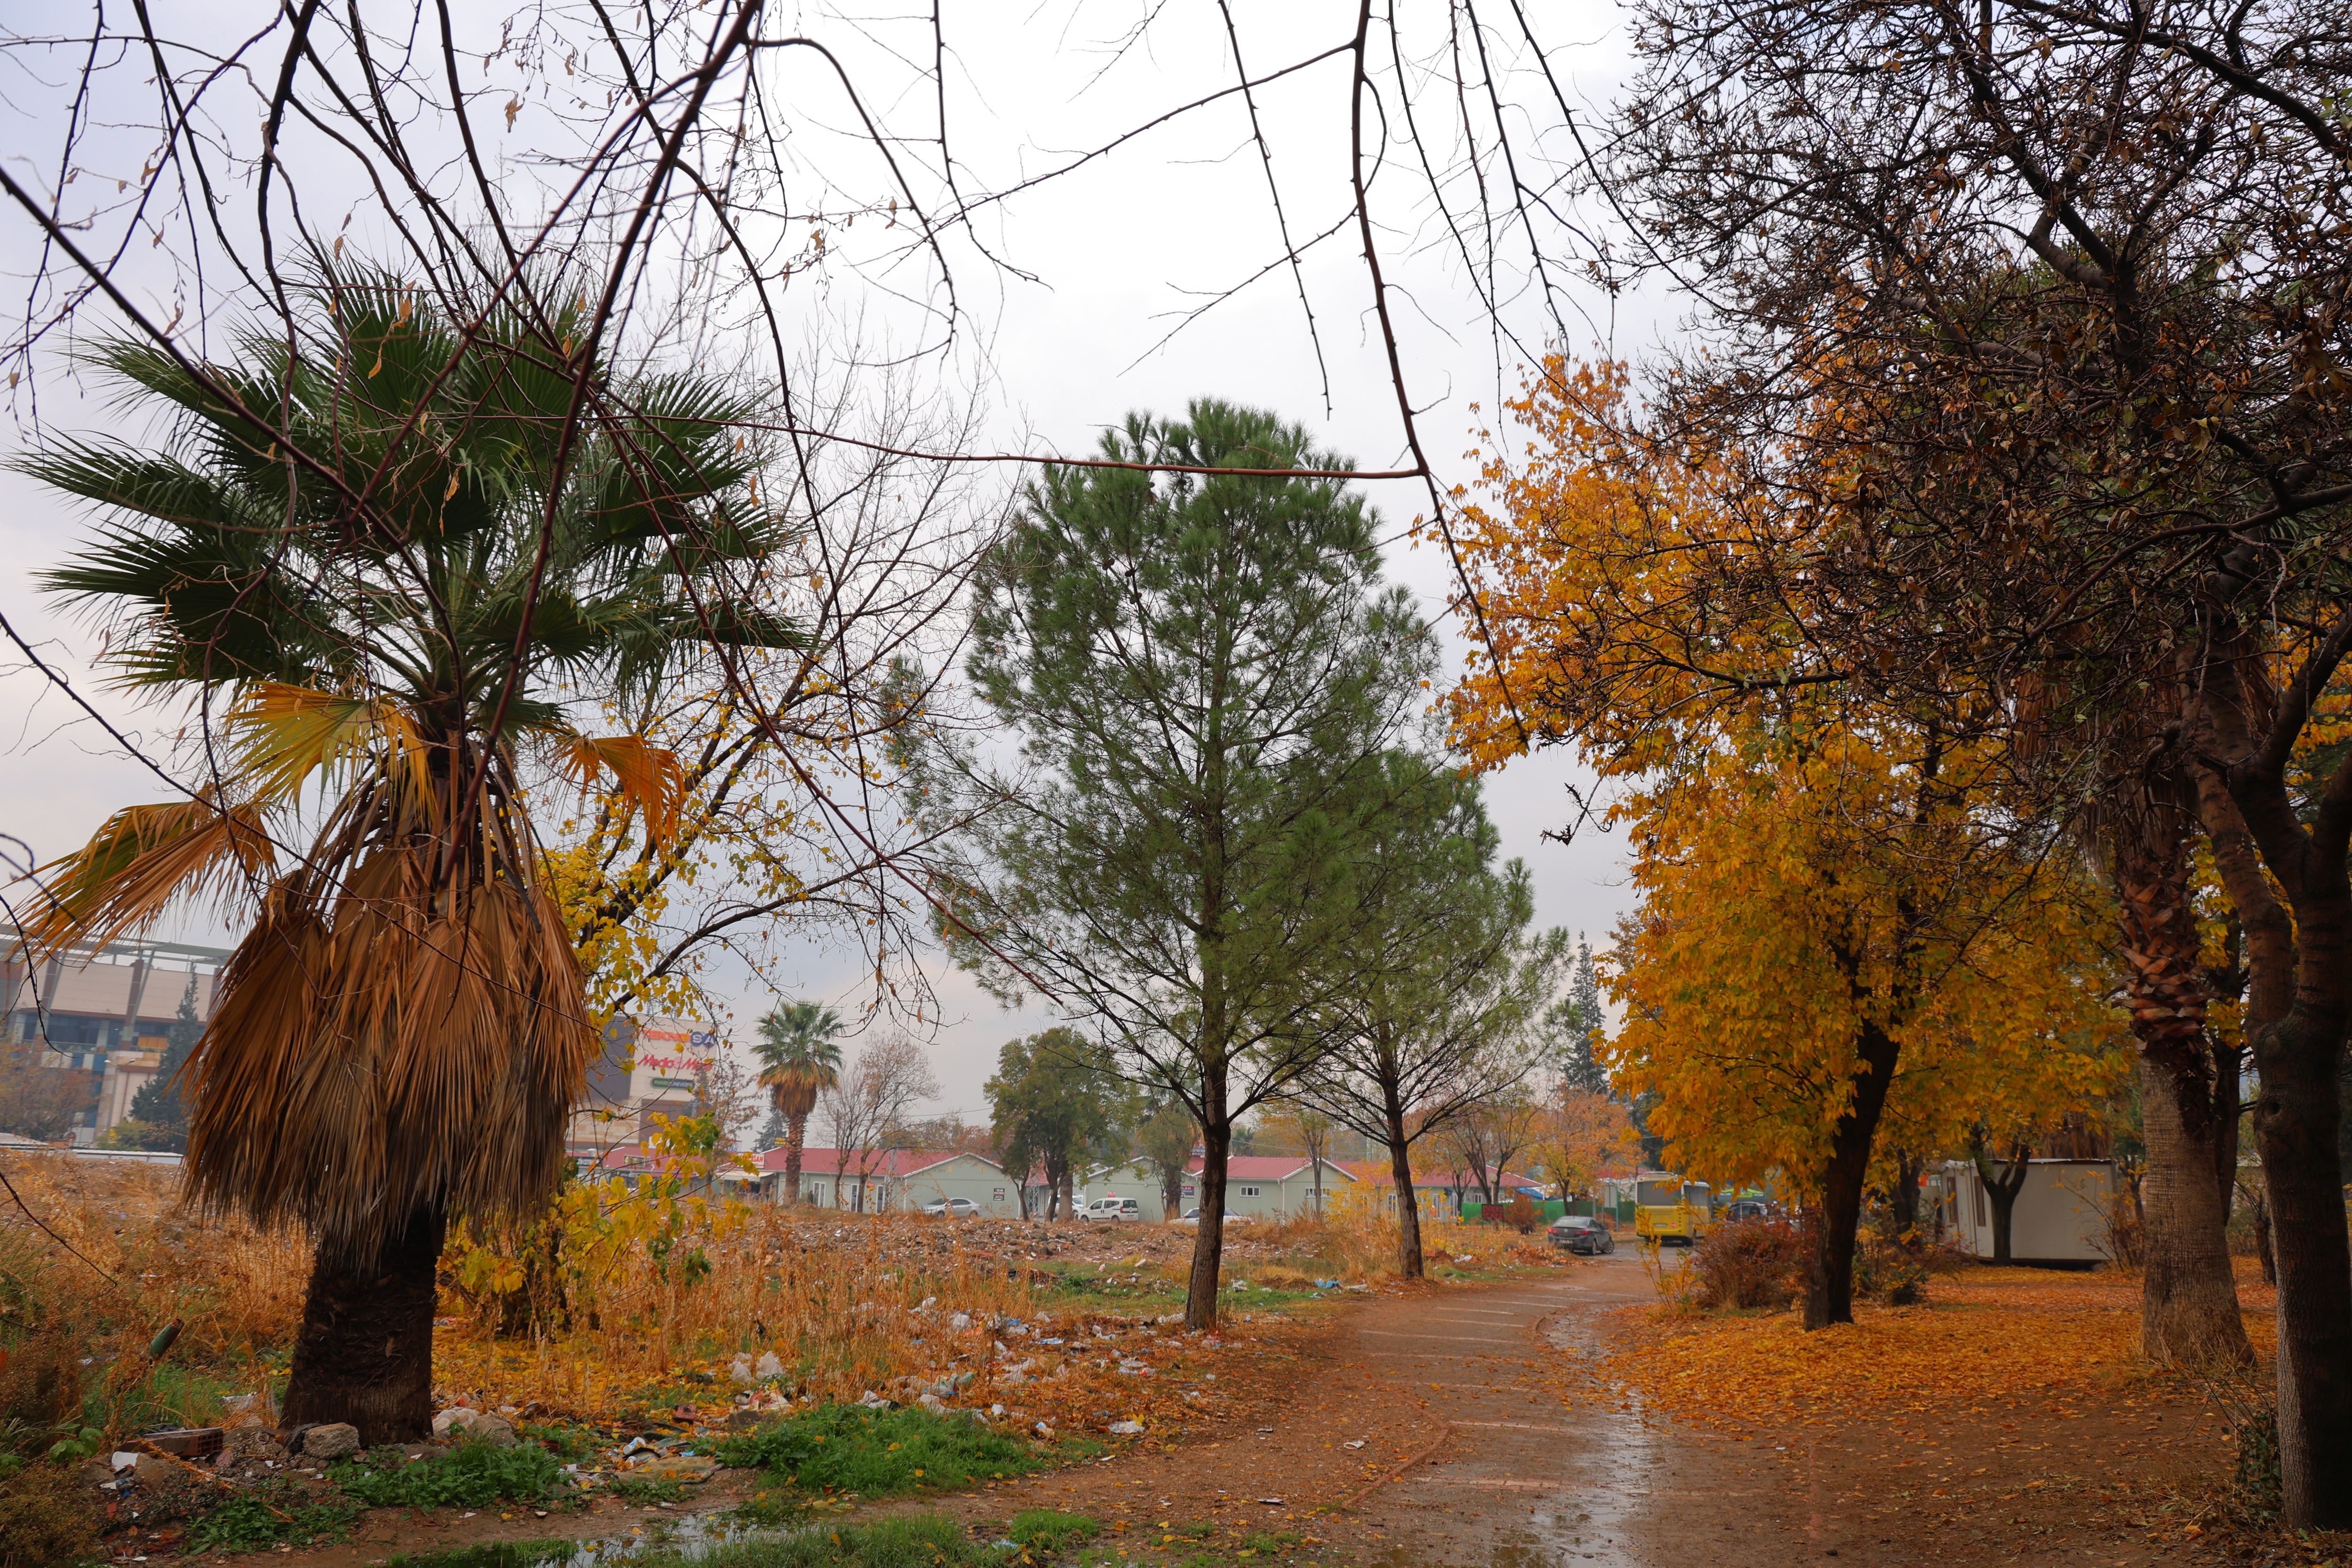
(801, 1059)
(380, 578)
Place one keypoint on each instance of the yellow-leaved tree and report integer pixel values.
(1839, 912)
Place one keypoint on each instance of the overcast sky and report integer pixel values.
(1119, 250)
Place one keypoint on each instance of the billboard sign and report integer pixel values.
(670, 1054)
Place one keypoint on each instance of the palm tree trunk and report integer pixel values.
(364, 1352)
(2188, 1298)
(795, 1133)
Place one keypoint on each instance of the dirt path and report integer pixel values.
(1471, 1425)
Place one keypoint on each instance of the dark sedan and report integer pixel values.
(1583, 1234)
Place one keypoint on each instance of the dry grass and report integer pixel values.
(1359, 1239)
(648, 1312)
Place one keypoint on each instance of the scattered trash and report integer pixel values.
(1357, 1444)
(961, 1321)
(1272, 1501)
(769, 1366)
(1126, 1429)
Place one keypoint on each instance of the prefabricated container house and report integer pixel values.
(2061, 1215)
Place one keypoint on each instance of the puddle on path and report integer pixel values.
(688, 1539)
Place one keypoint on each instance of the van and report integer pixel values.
(1109, 1207)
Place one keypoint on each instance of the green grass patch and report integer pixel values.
(922, 1541)
(468, 1475)
(270, 1516)
(1043, 1530)
(639, 1491)
(880, 1453)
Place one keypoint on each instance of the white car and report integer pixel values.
(1111, 1208)
(953, 1209)
(1193, 1217)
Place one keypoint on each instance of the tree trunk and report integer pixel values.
(2296, 1118)
(1208, 1243)
(1902, 1198)
(2189, 1298)
(2000, 1194)
(364, 1351)
(1829, 1292)
(2263, 1252)
(1409, 1260)
(796, 1134)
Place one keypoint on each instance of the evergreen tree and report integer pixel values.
(1200, 667)
(1580, 1024)
(161, 1104)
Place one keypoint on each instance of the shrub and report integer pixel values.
(1520, 1214)
(44, 1521)
(1884, 1272)
(879, 1453)
(468, 1475)
(1749, 1264)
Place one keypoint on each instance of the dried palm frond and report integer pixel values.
(283, 733)
(647, 779)
(142, 860)
(390, 1035)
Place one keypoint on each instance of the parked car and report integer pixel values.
(1583, 1234)
(1111, 1208)
(1747, 1208)
(955, 1208)
(1193, 1217)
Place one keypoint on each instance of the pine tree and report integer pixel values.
(1580, 1024)
(160, 1104)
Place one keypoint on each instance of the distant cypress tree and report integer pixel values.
(159, 1104)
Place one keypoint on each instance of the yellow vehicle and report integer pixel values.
(1671, 1212)
(1671, 1225)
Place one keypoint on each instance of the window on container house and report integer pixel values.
(1249, 1191)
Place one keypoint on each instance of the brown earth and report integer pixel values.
(1470, 1424)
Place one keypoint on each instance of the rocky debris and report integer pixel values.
(188, 1442)
(331, 1441)
(474, 1425)
(744, 1420)
(689, 1467)
(167, 1488)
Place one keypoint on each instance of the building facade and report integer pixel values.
(104, 1014)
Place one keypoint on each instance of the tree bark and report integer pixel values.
(2296, 1117)
(2264, 1255)
(364, 1351)
(1410, 1264)
(2000, 1194)
(1829, 1291)
(796, 1134)
(2298, 1045)
(1208, 1242)
(1902, 1198)
(2189, 1298)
